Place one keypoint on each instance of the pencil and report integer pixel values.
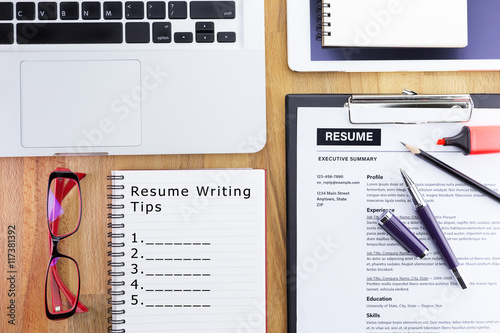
(453, 172)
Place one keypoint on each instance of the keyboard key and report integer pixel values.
(69, 10)
(212, 10)
(137, 32)
(6, 11)
(183, 37)
(134, 10)
(113, 10)
(6, 33)
(156, 10)
(162, 32)
(226, 37)
(204, 37)
(47, 10)
(91, 10)
(205, 26)
(69, 33)
(25, 11)
(177, 9)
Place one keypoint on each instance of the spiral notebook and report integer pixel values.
(394, 23)
(187, 251)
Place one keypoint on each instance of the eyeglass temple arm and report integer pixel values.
(55, 292)
(67, 293)
(69, 186)
(60, 194)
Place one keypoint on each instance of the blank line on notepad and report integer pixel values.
(143, 316)
(197, 229)
(210, 266)
(231, 282)
(204, 221)
(176, 244)
(222, 290)
(212, 205)
(177, 305)
(179, 290)
(178, 259)
(212, 236)
(209, 298)
(190, 330)
(177, 274)
(180, 252)
(205, 214)
(199, 244)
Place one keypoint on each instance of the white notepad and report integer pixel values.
(395, 23)
(188, 251)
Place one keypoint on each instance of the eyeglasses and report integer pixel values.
(64, 212)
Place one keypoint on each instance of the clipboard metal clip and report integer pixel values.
(409, 108)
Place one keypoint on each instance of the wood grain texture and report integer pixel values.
(23, 184)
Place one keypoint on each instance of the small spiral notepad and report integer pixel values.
(393, 23)
(187, 251)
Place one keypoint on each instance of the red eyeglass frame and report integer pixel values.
(56, 283)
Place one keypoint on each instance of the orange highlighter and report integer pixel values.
(475, 140)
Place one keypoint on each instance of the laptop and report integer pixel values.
(132, 77)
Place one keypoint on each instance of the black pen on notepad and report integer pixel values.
(453, 172)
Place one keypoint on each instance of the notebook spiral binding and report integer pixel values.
(114, 245)
(322, 11)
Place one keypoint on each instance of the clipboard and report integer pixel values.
(355, 107)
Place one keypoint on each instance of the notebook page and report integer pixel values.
(194, 255)
(395, 23)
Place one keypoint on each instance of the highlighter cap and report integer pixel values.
(401, 234)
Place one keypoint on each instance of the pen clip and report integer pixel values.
(401, 109)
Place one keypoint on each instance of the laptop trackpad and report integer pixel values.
(80, 104)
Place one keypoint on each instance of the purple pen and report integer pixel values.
(394, 227)
(423, 210)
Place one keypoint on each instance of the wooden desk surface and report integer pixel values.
(23, 184)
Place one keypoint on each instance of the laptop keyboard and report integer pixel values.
(114, 22)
